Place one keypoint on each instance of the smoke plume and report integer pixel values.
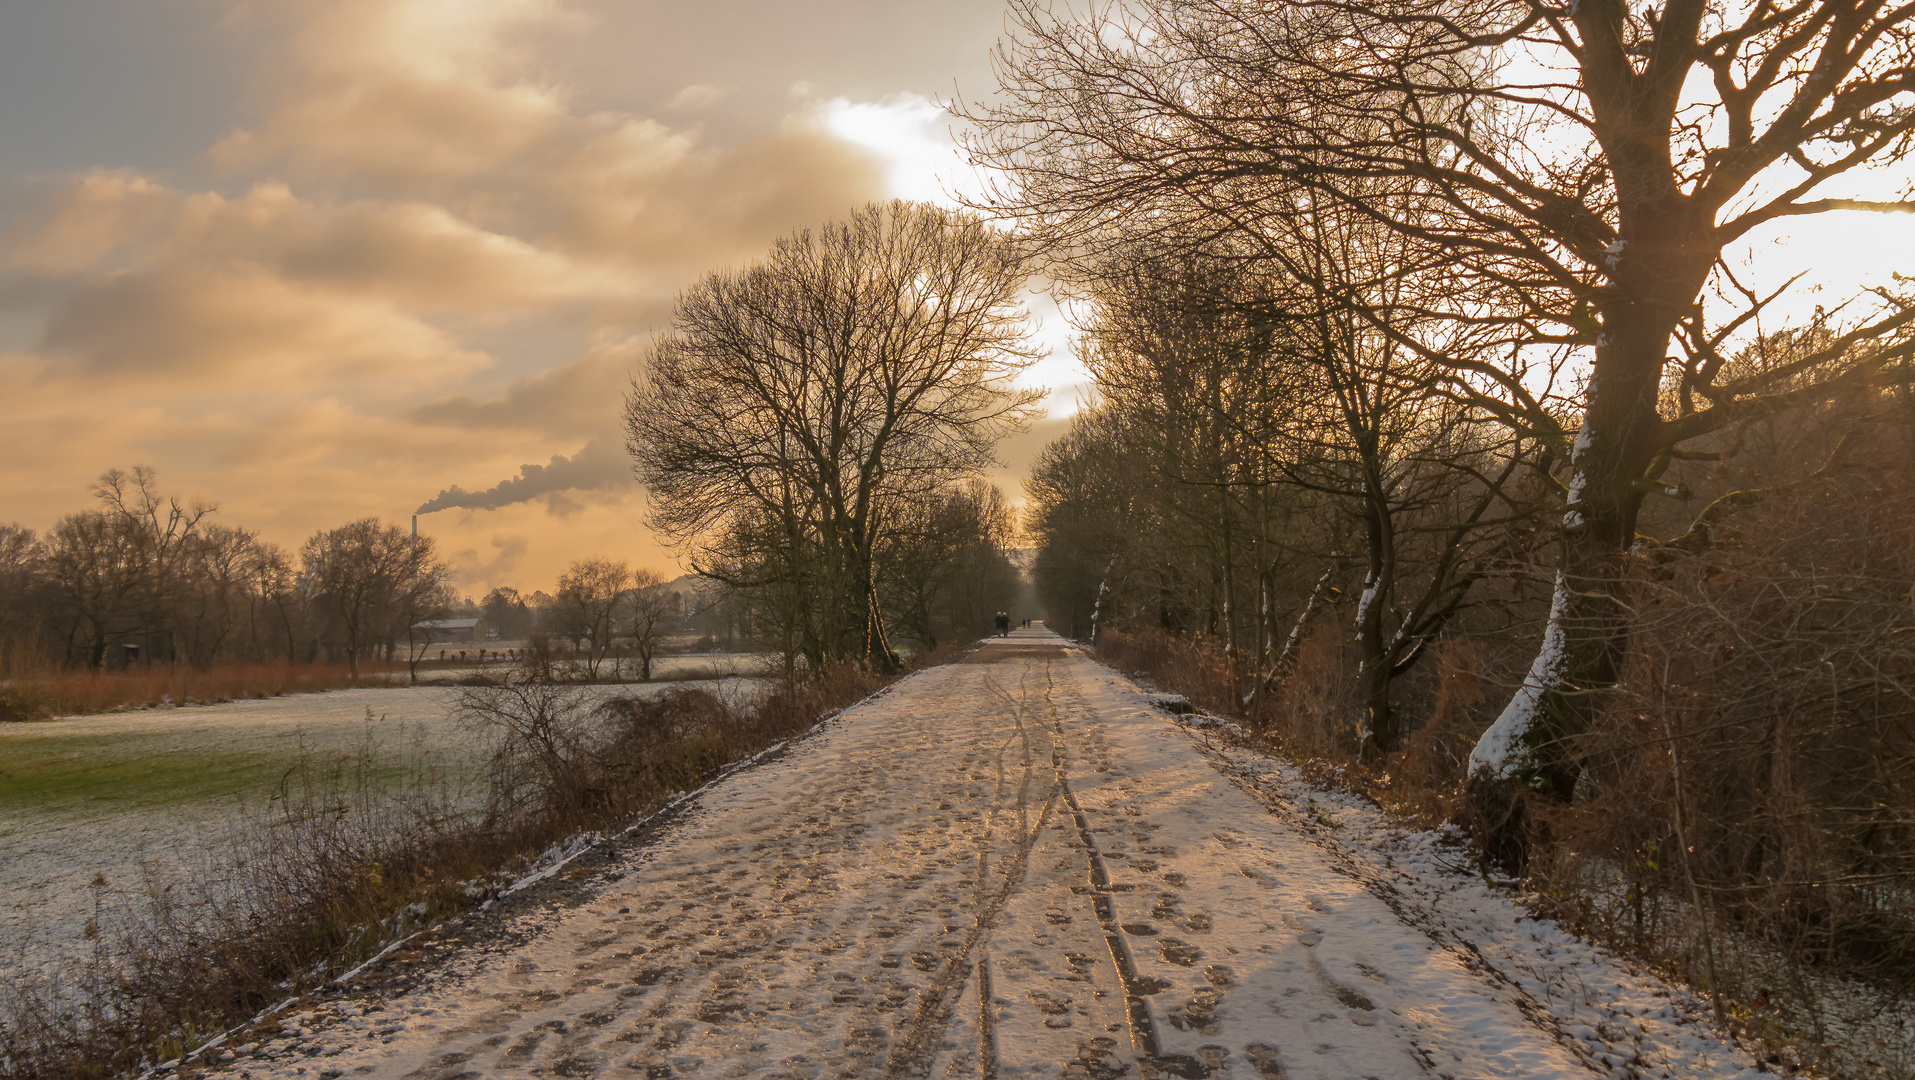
(598, 465)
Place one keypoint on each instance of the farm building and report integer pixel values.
(448, 630)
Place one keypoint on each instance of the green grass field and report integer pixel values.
(118, 771)
(68, 772)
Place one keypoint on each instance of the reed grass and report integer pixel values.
(41, 694)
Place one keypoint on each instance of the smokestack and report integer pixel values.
(415, 526)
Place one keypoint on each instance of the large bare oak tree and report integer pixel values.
(1580, 171)
(797, 401)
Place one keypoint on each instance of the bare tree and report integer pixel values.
(944, 566)
(1246, 373)
(591, 601)
(655, 611)
(1580, 172)
(215, 592)
(21, 618)
(277, 585)
(506, 612)
(93, 574)
(375, 582)
(797, 401)
(1086, 508)
(119, 571)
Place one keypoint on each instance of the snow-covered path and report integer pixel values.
(1008, 866)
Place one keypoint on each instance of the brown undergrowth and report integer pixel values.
(37, 693)
(40, 691)
(341, 866)
(1746, 820)
(1308, 713)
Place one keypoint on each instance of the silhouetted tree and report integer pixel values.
(797, 402)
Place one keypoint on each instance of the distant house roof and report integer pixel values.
(446, 624)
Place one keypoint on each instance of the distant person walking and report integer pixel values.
(1003, 624)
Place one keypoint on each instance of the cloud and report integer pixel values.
(599, 465)
(699, 96)
(434, 101)
(404, 93)
(558, 401)
(509, 551)
(85, 221)
(238, 325)
(425, 257)
(911, 134)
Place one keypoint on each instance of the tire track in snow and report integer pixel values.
(1143, 1028)
(937, 1004)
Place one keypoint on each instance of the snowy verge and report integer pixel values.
(1615, 1016)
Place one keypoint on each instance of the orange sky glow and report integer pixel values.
(317, 260)
(424, 248)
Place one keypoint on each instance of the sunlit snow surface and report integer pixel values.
(1016, 866)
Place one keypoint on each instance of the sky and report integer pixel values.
(318, 260)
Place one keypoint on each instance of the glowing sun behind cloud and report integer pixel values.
(420, 270)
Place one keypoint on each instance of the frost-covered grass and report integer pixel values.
(143, 799)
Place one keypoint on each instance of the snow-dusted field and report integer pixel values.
(1013, 866)
(676, 666)
(54, 854)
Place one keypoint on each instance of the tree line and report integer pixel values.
(1457, 284)
(147, 578)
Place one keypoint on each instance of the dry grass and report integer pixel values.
(1193, 667)
(37, 694)
(1310, 712)
(1751, 818)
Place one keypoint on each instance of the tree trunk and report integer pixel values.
(1531, 751)
(1378, 733)
(1232, 644)
(875, 642)
(1323, 593)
